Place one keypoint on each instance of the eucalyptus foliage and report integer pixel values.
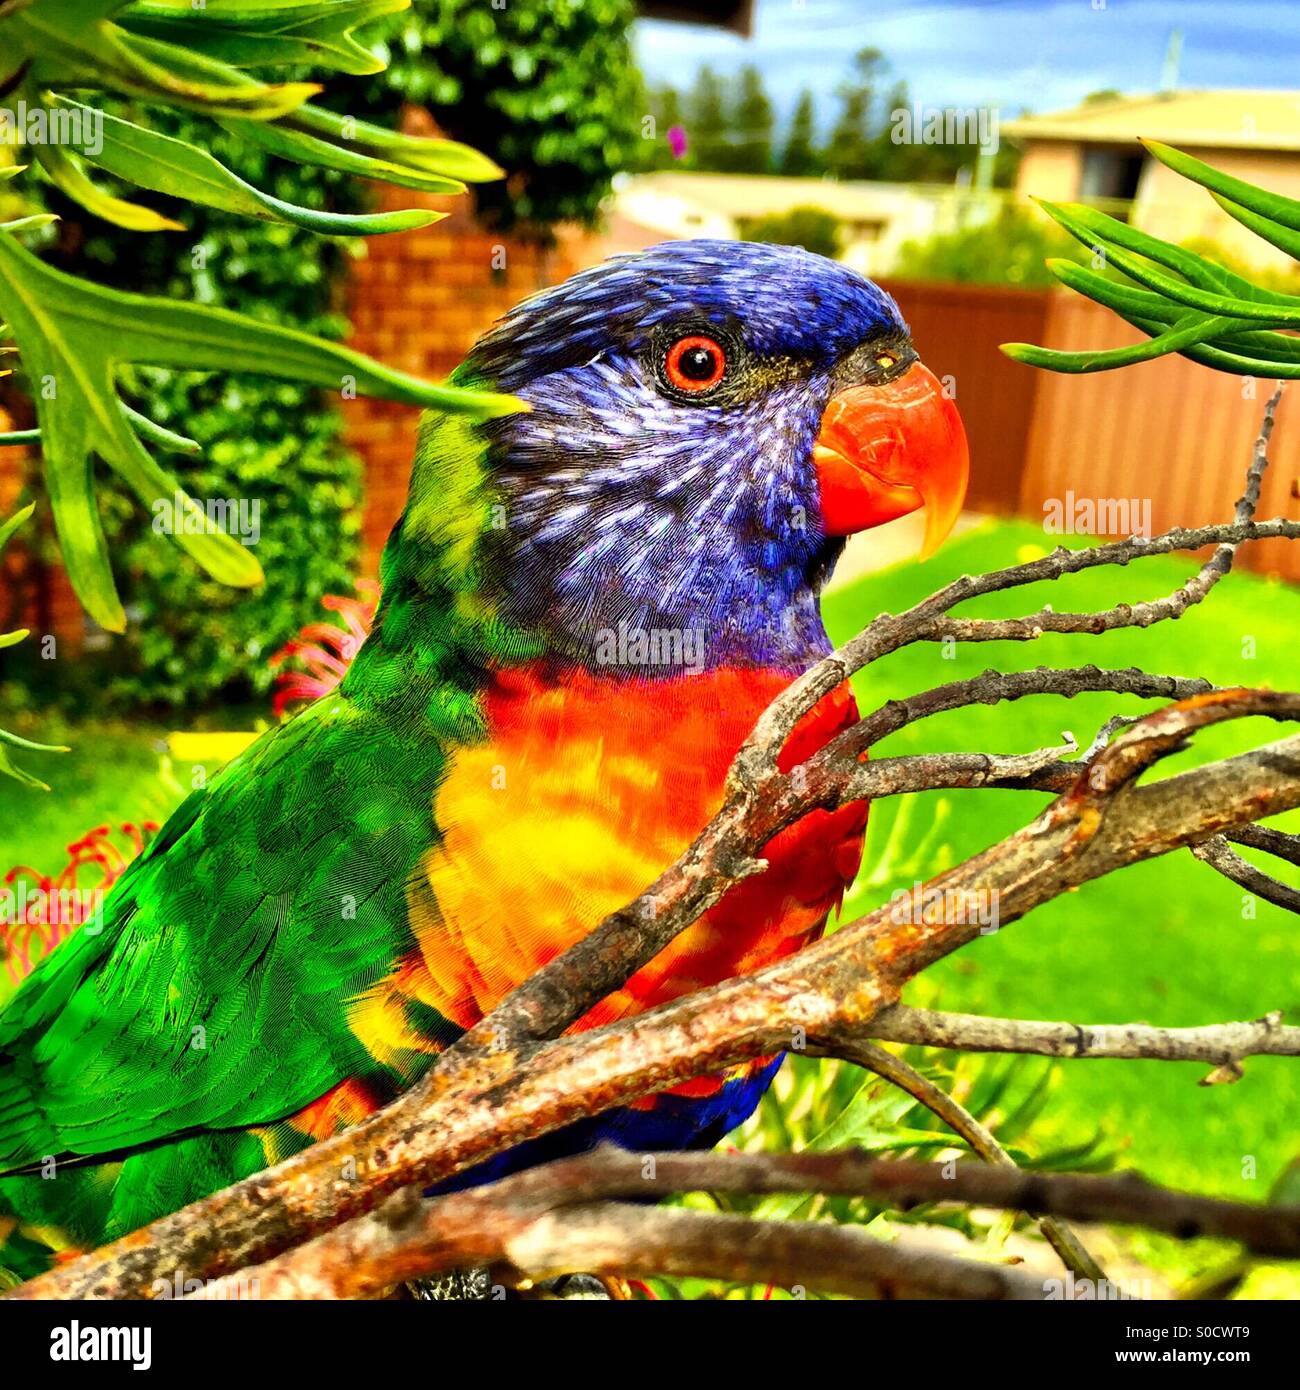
(1181, 301)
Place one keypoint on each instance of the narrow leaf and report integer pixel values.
(1172, 340)
(308, 149)
(64, 172)
(1272, 206)
(167, 165)
(1282, 237)
(447, 157)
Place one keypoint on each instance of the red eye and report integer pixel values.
(695, 363)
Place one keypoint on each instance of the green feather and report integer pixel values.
(214, 998)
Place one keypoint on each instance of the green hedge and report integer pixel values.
(549, 90)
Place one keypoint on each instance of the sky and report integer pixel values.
(1038, 55)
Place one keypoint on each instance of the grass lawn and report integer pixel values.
(1165, 942)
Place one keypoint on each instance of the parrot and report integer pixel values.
(586, 604)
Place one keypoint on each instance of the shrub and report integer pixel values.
(1010, 249)
(549, 91)
(814, 229)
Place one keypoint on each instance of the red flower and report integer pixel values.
(325, 649)
(40, 910)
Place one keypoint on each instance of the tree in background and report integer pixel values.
(799, 159)
(813, 228)
(730, 129)
(1011, 249)
(665, 105)
(549, 91)
(853, 152)
(752, 121)
(707, 126)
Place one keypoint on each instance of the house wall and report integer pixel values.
(1050, 169)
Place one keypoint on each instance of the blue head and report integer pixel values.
(671, 475)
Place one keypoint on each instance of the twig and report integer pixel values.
(406, 1240)
(1275, 842)
(560, 1217)
(1215, 1043)
(1074, 1254)
(1220, 856)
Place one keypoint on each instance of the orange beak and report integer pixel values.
(885, 451)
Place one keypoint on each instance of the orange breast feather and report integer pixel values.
(585, 791)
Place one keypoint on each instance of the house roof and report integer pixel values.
(1222, 119)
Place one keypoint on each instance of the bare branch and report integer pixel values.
(1220, 856)
(1217, 1043)
(1262, 837)
(560, 1217)
(1074, 1254)
(408, 1239)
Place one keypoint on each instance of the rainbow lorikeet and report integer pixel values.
(586, 605)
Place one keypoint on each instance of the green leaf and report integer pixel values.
(75, 336)
(28, 224)
(152, 160)
(1121, 298)
(75, 43)
(278, 32)
(1098, 231)
(1282, 237)
(64, 171)
(158, 434)
(309, 149)
(446, 157)
(1272, 206)
(1175, 339)
(9, 527)
(8, 639)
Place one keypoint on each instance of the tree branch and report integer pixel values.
(827, 994)
(1216, 1043)
(1074, 1254)
(562, 1216)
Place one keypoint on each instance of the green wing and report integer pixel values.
(214, 995)
(213, 1001)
